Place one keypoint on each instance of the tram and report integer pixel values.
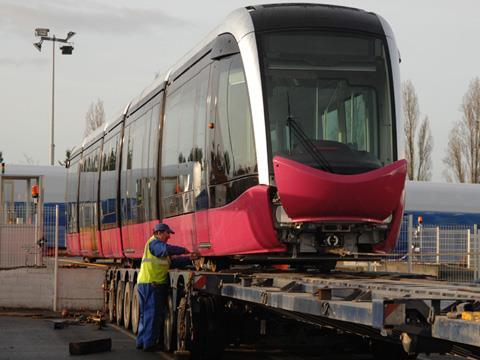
(278, 136)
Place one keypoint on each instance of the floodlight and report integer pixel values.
(38, 46)
(41, 32)
(66, 49)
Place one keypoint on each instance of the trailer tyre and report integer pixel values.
(111, 301)
(135, 309)
(183, 326)
(212, 326)
(127, 305)
(169, 326)
(119, 302)
(200, 332)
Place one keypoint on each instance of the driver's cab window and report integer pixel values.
(350, 124)
(330, 126)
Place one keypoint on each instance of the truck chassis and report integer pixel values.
(401, 316)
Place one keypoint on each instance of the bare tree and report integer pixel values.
(410, 114)
(463, 152)
(95, 117)
(29, 160)
(455, 171)
(425, 147)
(418, 147)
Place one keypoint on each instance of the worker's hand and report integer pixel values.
(195, 256)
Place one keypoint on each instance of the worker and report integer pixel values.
(153, 286)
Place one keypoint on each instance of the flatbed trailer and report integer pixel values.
(399, 315)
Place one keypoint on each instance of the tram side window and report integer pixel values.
(198, 153)
(108, 186)
(240, 121)
(169, 170)
(232, 149)
(183, 148)
(221, 147)
(136, 180)
(72, 193)
(136, 196)
(127, 158)
(152, 163)
(84, 193)
(88, 189)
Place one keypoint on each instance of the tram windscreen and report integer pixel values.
(328, 100)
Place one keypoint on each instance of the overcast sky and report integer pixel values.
(122, 44)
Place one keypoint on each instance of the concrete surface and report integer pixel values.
(32, 338)
(26, 336)
(32, 288)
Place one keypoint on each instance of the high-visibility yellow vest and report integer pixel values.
(153, 269)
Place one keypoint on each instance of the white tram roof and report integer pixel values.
(54, 183)
(442, 197)
(238, 23)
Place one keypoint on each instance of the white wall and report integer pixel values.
(32, 288)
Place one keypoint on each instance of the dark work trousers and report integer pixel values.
(153, 300)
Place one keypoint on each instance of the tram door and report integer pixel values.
(21, 221)
(200, 165)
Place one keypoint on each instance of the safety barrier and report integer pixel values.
(449, 252)
(28, 235)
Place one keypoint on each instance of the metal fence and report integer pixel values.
(28, 235)
(449, 252)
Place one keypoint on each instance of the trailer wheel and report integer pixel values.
(106, 295)
(127, 305)
(169, 326)
(184, 324)
(200, 332)
(111, 301)
(119, 302)
(135, 309)
(212, 327)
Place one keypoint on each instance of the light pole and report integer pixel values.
(66, 50)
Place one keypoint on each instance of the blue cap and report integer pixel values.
(163, 227)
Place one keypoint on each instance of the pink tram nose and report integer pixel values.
(309, 194)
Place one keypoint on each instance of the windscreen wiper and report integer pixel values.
(307, 144)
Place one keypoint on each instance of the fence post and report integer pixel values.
(420, 237)
(409, 242)
(38, 254)
(477, 255)
(469, 248)
(55, 269)
(438, 245)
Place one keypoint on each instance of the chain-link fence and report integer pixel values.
(28, 234)
(449, 252)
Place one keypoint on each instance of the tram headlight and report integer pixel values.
(388, 220)
(282, 216)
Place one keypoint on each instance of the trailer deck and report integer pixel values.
(424, 315)
(412, 313)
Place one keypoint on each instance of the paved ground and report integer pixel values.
(29, 337)
(35, 338)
